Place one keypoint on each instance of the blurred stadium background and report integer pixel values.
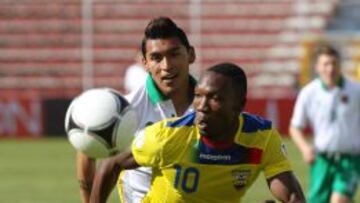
(50, 51)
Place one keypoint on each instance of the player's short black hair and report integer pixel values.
(236, 74)
(162, 28)
(326, 49)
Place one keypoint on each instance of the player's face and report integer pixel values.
(168, 62)
(217, 106)
(327, 67)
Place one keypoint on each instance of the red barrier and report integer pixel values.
(279, 111)
(20, 114)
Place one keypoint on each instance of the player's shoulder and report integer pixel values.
(311, 87)
(138, 98)
(354, 85)
(255, 131)
(309, 90)
(174, 122)
(253, 123)
(186, 120)
(172, 128)
(352, 88)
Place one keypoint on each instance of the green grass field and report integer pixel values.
(43, 171)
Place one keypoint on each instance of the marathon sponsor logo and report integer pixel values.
(213, 157)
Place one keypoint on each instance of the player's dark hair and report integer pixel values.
(163, 28)
(236, 74)
(326, 49)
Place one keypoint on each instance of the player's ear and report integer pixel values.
(145, 64)
(192, 55)
(240, 104)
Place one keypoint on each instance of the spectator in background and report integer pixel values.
(135, 75)
(331, 105)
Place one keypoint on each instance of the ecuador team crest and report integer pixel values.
(240, 178)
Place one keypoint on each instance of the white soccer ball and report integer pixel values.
(100, 122)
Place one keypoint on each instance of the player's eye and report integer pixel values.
(175, 53)
(216, 98)
(156, 57)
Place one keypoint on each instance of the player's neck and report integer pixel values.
(221, 144)
(227, 134)
(182, 99)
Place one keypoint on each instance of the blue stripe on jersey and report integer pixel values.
(187, 120)
(235, 154)
(253, 123)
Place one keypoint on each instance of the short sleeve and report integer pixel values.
(298, 119)
(275, 156)
(146, 147)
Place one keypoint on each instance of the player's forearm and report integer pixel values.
(85, 167)
(85, 194)
(107, 175)
(286, 188)
(298, 137)
(104, 181)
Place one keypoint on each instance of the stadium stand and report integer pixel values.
(41, 45)
(347, 17)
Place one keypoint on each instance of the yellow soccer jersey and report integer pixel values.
(188, 169)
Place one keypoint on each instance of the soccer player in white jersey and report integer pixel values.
(167, 92)
(330, 105)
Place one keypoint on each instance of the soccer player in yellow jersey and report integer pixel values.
(211, 155)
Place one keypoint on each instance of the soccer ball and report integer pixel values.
(100, 122)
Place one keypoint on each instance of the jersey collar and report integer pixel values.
(155, 94)
(225, 144)
(340, 83)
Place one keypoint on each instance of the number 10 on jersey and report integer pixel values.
(186, 179)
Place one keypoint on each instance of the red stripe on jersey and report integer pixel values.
(255, 155)
(217, 144)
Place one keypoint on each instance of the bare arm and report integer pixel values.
(286, 188)
(306, 149)
(107, 174)
(85, 170)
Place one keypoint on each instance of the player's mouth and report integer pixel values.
(202, 125)
(169, 78)
(202, 120)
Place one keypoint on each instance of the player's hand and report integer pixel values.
(293, 199)
(308, 154)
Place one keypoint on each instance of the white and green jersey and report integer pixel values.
(333, 114)
(150, 106)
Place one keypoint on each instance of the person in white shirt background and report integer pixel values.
(330, 106)
(135, 75)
